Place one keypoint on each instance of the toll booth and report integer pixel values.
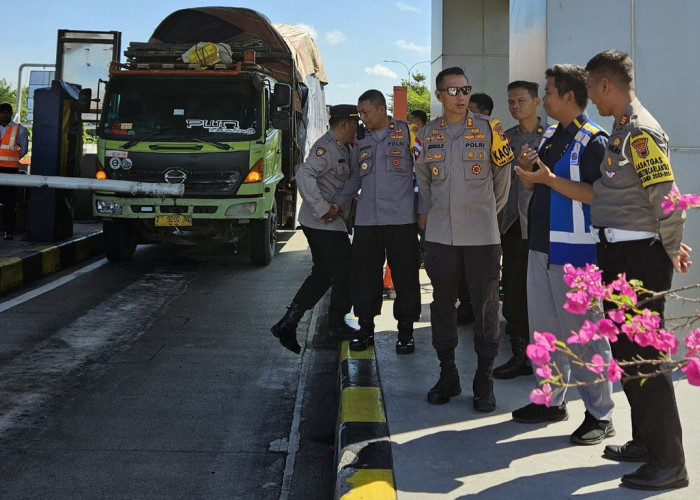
(58, 148)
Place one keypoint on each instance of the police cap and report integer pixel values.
(341, 111)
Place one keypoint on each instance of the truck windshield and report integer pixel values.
(181, 109)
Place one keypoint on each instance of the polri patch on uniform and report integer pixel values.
(436, 170)
(475, 131)
(442, 123)
(609, 161)
(623, 120)
(470, 155)
(395, 152)
(481, 136)
(364, 155)
(470, 122)
(320, 151)
(392, 126)
(540, 130)
(476, 169)
(338, 142)
(640, 145)
(617, 141)
(364, 166)
(480, 155)
(610, 174)
(469, 137)
(396, 162)
(436, 132)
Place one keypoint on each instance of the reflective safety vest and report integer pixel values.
(9, 149)
(570, 240)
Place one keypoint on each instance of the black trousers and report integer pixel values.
(331, 254)
(371, 245)
(515, 252)
(481, 265)
(8, 196)
(655, 420)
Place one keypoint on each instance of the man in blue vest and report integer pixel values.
(565, 166)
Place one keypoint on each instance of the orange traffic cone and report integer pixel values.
(388, 283)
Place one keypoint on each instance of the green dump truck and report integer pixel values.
(223, 102)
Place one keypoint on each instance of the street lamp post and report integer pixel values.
(408, 69)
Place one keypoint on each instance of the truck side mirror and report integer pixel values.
(281, 120)
(84, 99)
(282, 96)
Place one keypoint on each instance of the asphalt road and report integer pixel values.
(159, 378)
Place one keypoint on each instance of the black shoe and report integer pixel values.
(447, 386)
(484, 398)
(364, 338)
(465, 314)
(287, 339)
(7, 236)
(515, 367)
(631, 451)
(405, 346)
(592, 431)
(532, 413)
(341, 331)
(653, 477)
(286, 328)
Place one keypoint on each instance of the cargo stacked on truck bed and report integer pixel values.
(224, 102)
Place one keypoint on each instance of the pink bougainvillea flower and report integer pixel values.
(687, 201)
(649, 319)
(577, 302)
(544, 371)
(586, 334)
(666, 341)
(542, 395)
(617, 315)
(538, 354)
(608, 329)
(691, 370)
(597, 364)
(668, 206)
(692, 341)
(615, 371)
(546, 340)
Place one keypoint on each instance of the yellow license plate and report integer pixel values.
(173, 220)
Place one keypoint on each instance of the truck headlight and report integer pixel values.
(109, 208)
(241, 209)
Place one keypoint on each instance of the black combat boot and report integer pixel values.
(484, 399)
(516, 366)
(405, 343)
(286, 328)
(448, 384)
(365, 337)
(338, 329)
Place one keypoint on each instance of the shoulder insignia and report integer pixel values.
(320, 151)
(649, 160)
(501, 152)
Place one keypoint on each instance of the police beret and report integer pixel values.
(341, 111)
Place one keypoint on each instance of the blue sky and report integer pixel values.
(353, 37)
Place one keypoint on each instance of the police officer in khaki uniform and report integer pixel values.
(463, 180)
(635, 237)
(319, 179)
(385, 223)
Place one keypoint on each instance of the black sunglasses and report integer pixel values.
(453, 91)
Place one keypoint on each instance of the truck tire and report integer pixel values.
(119, 240)
(263, 238)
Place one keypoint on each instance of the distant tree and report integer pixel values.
(7, 94)
(418, 95)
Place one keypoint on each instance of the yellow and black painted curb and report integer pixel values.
(364, 464)
(42, 260)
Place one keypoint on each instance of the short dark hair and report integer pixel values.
(483, 101)
(454, 70)
(570, 78)
(532, 87)
(614, 64)
(374, 96)
(6, 107)
(421, 115)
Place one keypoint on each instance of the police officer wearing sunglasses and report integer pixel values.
(464, 181)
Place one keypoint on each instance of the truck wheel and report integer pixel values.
(263, 238)
(119, 241)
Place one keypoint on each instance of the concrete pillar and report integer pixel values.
(472, 34)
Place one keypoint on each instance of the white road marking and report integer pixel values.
(4, 306)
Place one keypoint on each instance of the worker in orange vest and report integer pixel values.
(14, 143)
